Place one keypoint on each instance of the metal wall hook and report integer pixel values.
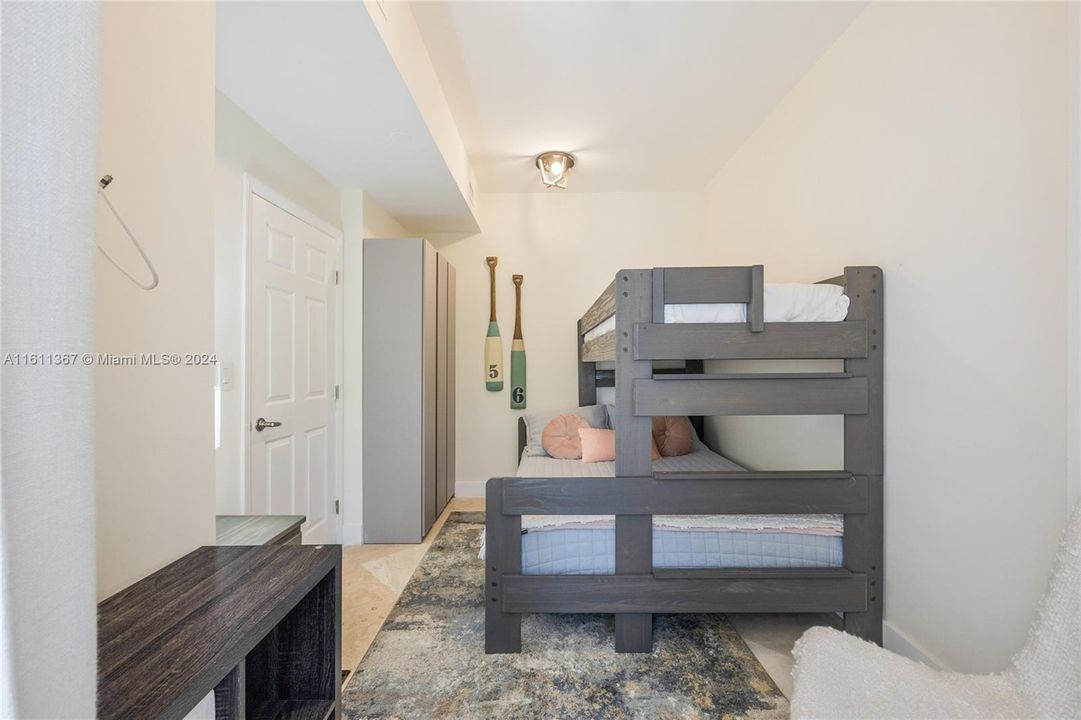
(102, 184)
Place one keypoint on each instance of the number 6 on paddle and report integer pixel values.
(493, 344)
(517, 351)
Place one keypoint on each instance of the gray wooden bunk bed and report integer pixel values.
(637, 590)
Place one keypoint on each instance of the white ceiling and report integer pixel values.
(318, 77)
(651, 96)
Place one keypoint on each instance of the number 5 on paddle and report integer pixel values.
(493, 344)
(517, 351)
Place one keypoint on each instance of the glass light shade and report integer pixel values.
(554, 168)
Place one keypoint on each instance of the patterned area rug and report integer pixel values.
(428, 660)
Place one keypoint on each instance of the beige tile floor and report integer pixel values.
(771, 637)
(375, 575)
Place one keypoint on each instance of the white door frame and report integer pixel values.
(254, 186)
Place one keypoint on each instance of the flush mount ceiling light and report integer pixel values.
(554, 168)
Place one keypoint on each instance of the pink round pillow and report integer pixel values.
(560, 438)
(674, 435)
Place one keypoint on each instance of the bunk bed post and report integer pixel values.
(503, 556)
(756, 308)
(864, 452)
(698, 422)
(634, 533)
(587, 373)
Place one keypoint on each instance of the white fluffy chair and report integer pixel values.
(839, 676)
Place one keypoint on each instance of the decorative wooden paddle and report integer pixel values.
(493, 344)
(517, 351)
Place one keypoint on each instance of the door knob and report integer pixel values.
(262, 424)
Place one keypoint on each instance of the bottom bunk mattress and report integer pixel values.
(585, 544)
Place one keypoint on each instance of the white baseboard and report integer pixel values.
(469, 488)
(352, 534)
(896, 641)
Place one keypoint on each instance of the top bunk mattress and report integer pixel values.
(782, 302)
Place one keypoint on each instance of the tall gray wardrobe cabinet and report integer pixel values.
(408, 394)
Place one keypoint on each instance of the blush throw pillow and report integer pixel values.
(600, 445)
(560, 438)
(674, 435)
(597, 445)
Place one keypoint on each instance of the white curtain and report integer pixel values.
(49, 156)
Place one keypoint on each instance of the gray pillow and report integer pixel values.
(536, 422)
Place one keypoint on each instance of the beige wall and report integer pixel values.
(931, 140)
(378, 223)
(569, 246)
(243, 147)
(154, 425)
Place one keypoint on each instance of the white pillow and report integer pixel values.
(536, 422)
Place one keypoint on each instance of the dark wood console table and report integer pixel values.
(260, 626)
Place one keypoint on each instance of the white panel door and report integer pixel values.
(290, 379)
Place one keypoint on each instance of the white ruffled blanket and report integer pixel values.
(783, 302)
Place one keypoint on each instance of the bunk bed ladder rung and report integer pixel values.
(734, 341)
(830, 394)
(683, 377)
